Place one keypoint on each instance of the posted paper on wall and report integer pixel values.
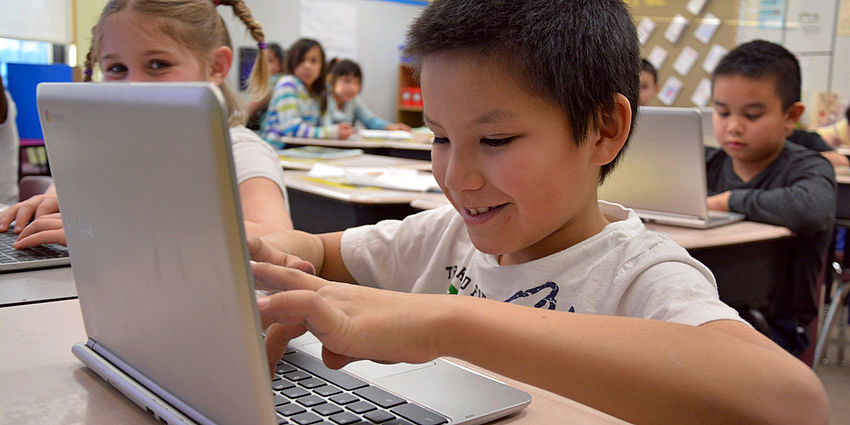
(706, 29)
(676, 28)
(657, 56)
(713, 57)
(670, 91)
(702, 94)
(685, 61)
(695, 6)
(644, 29)
(333, 23)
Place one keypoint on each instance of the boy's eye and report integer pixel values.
(497, 142)
(440, 140)
(753, 117)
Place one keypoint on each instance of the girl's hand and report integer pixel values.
(398, 126)
(24, 211)
(264, 252)
(345, 130)
(45, 229)
(353, 322)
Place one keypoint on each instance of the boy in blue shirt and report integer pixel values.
(531, 103)
(756, 92)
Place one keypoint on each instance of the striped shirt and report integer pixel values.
(293, 112)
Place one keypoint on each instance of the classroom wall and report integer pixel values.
(380, 29)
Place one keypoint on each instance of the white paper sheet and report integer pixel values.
(644, 29)
(676, 28)
(702, 94)
(715, 54)
(670, 91)
(657, 56)
(707, 27)
(685, 61)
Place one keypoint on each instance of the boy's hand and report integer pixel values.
(264, 252)
(353, 322)
(22, 212)
(719, 202)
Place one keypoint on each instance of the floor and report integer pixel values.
(836, 378)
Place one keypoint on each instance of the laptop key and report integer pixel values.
(380, 397)
(327, 409)
(345, 418)
(344, 398)
(316, 367)
(379, 416)
(297, 376)
(278, 400)
(311, 383)
(306, 418)
(310, 400)
(281, 384)
(360, 407)
(419, 415)
(290, 409)
(284, 368)
(327, 390)
(294, 392)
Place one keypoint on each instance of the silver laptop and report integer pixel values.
(706, 114)
(662, 173)
(37, 257)
(152, 219)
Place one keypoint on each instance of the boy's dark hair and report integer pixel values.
(277, 51)
(574, 54)
(295, 55)
(344, 67)
(645, 65)
(762, 59)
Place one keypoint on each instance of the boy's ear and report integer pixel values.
(612, 132)
(793, 114)
(222, 58)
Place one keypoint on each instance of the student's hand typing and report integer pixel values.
(345, 130)
(267, 253)
(353, 322)
(44, 230)
(24, 211)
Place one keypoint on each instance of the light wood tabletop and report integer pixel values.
(299, 180)
(363, 160)
(41, 382)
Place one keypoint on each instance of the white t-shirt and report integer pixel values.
(9, 145)
(625, 270)
(253, 157)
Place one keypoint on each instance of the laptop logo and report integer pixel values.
(82, 228)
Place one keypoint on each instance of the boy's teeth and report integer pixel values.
(476, 211)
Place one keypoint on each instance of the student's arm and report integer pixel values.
(285, 120)
(836, 159)
(367, 117)
(263, 208)
(290, 248)
(644, 371)
(804, 206)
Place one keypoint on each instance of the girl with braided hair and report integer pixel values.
(170, 41)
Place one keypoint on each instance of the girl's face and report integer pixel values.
(346, 88)
(275, 66)
(309, 69)
(135, 50)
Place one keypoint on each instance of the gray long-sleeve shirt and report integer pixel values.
(797, 191)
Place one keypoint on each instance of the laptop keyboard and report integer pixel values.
(305, 391)
(10, 255)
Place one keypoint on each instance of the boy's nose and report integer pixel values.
(460, 170)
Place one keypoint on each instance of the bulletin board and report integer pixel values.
(686, 38)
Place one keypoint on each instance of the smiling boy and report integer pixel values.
(756, 93)
(604, 311)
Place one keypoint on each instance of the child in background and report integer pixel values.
(813, 141)
(298, 102)
(756, 93)
(555, 288)
(9, 145)
(837, 134)
(154, 41)
(344, 106)
(257, 107)
(648, 82)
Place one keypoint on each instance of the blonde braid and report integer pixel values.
(258, 81)
(88, 69)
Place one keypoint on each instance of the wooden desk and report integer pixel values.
(36, 286)
(365, 160)
(41, 382)
(319, 206)
(401, 149)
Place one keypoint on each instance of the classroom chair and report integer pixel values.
(30, 186)
(841, 283)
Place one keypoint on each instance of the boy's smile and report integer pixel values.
(506, 160)
(749, 121)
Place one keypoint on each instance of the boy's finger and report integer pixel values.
(272, 277)
(300, 308)
(277, 337)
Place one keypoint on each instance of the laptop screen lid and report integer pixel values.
(663, 168)
(162, 274)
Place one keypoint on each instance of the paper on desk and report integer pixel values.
(389, 178)
(384, 134)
